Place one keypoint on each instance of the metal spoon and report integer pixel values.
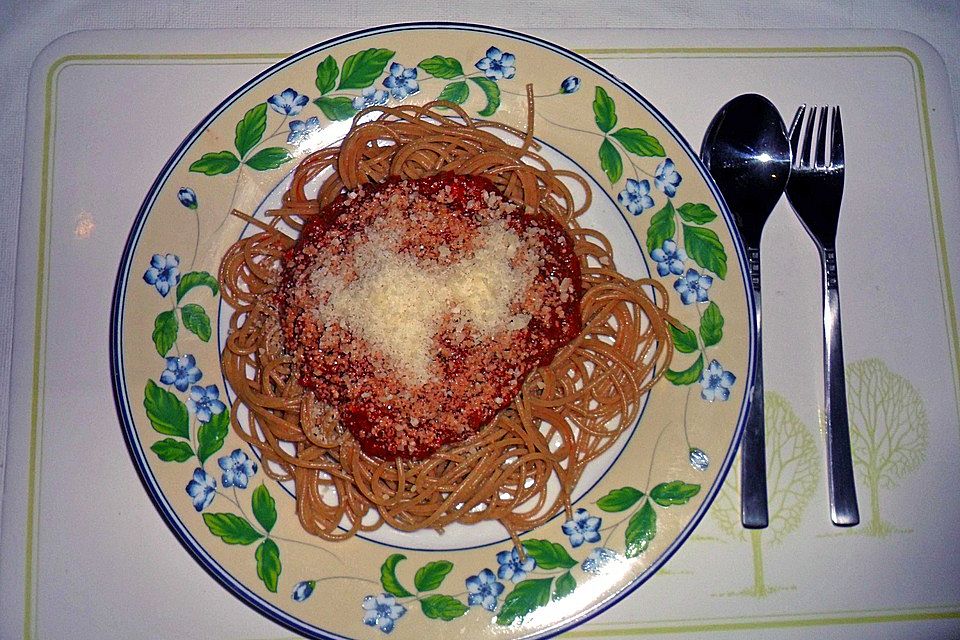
(747, 152)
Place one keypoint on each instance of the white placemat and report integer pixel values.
(81, 546)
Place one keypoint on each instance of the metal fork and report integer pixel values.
(815, 189)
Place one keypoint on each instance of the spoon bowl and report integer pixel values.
(747, 151)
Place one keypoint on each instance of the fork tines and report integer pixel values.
(809, 155)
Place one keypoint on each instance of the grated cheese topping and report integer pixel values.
(397, 302)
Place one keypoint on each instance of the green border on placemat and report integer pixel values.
(671, 626)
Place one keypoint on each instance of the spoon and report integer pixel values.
(747, 152)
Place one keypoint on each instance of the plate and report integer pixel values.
(633, 507)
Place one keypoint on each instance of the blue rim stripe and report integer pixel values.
(121, 399)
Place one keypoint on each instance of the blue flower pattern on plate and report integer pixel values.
(484, 590)
(288, 102)
(163, 272)
(716, 382)
(402, 81)
(598, 559)
(582, 528)
(202, 488)
(181, 372)
(669, 258)
(570, 84)
(205, 402)
(187, 197)
(382, 611)
(699, 459)
(370, 97)
(303, 590)
(497, 65)
(300, 131)
(693, 287)
(512, 568)
(667, 179)
(237, 469)
(636, 196)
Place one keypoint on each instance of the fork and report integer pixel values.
(815, 189)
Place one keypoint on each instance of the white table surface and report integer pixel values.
(24, 31)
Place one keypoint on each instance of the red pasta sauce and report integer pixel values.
(417, 308)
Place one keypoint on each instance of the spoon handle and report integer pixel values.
(843, 492)
(753, 459)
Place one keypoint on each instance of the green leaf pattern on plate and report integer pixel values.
(689, 260)
(442, 67)
(492, 91)
(231, 528)
(268, 564)
(336, 108)
(170, 450)
(196, 320)
(430, 576)
(210, 435)
(250, 129)
(456, 92)
(327, 72)
(440, 607)
(165, 328)
(166, 412)
(363, 68)
(388, 576)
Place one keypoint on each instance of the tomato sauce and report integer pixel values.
(436, 222)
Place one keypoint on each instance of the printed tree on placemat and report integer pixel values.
(888, 432)
(792, 476)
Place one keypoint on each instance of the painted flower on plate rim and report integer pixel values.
(497, 65)
(181, 372)
(669, 258)
(693, 286)
(402, 81)
(716, 382)
(303, 590)
(238, 468)
(205, 402)
(582, 528)
(635, 197)
(666, 178)
(301, 131)
(202, 488)
(512, 568)
(484, 590)
(570, 84)
(288, 102)
(187, 197)
(163, 273)
(382, 611)
(370, 97)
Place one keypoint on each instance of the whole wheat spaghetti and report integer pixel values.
(565, 414)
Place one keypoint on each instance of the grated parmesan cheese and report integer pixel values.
(397, 302)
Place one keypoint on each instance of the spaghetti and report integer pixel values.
(565, 414)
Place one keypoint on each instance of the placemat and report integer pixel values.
(83, 552)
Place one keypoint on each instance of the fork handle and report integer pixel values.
(843, 492)
(753, 457)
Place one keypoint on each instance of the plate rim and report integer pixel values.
(118, 383)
